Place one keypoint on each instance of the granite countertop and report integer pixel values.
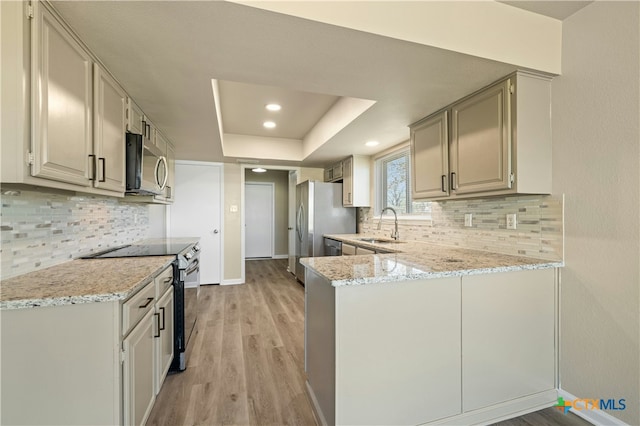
(81, 281)
(413, 260)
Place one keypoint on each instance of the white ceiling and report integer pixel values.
(166, 53)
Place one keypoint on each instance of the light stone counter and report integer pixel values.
(81, 281)
(413, 260)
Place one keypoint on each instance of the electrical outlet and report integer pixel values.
(512, 221)
(468, 219)
(233, 208)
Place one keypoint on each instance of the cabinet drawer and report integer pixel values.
(137, 306)
(348, 249)
(164, 281)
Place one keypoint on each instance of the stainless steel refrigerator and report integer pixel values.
(319, 211)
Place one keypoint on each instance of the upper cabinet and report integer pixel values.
(61, 104)
(356, 189)
(66, 115)
(430, 157)
(110, 102)
(496, 141)
(135, 118)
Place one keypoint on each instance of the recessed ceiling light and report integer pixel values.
(372, 143)
(258, 170)
(273, 107)
(269, 124)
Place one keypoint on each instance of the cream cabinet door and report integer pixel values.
(430, 157)
(138, 371)
(347, 182)
(135, 118)
(164, 337)
(109, 106)
(61, 103)
(171, 173)
(481, 141)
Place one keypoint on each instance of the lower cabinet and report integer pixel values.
(87, 363)
(454, 350)
(148, 352)
(138, 371)
(163, 338)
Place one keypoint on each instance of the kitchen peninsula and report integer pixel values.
(429, 334)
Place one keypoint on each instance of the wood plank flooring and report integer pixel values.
(245, 365)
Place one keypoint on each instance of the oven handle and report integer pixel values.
(194, 267)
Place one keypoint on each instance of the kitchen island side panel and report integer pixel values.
(320, 334)
(398, 351)
(60, 364)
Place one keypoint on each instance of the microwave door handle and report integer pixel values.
(162, 184)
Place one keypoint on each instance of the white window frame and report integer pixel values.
(378, 178)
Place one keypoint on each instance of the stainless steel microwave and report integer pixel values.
(147, 169)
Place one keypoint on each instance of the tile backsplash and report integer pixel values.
(44, 229)
(539, 230)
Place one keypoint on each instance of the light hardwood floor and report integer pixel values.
(246, 363)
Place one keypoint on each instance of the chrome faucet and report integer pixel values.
(395, 235)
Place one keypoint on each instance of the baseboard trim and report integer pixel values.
(280, 256)
(595, 417)
(503, 411)
(317, 412)
(232, 281)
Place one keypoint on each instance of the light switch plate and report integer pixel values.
(468, 219)
(233, 209)
(512, 221)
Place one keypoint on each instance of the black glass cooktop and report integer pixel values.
(169, 249)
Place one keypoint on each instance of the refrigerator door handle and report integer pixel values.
(300, 221)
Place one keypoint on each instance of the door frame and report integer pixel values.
(243, 168)
(272, 187)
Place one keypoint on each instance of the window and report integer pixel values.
(393, 185)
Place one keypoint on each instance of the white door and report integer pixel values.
(259, 205)
(196, 213)
(293, 181)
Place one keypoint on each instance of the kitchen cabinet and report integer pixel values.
(171, 170)
(333, 173)
(430, 157)
(135, 118)
(61, 103)
(456, 350)
(138, 371)
(109, 124)
(148, 347)
(149, 131)
(498, 142)
(67, 112)
(362, 250)
(165, 328)
(119, 349)
(348, 249)
(356, 181)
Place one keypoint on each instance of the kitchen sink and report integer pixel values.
(379, 241)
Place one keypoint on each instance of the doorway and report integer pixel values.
(259, 219)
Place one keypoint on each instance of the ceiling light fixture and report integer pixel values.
(273, 107)
(269, 124)
(372, 143)
(258, 170)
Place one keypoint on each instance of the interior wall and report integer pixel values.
(232, 245)
(280, 179)
(596, 162)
